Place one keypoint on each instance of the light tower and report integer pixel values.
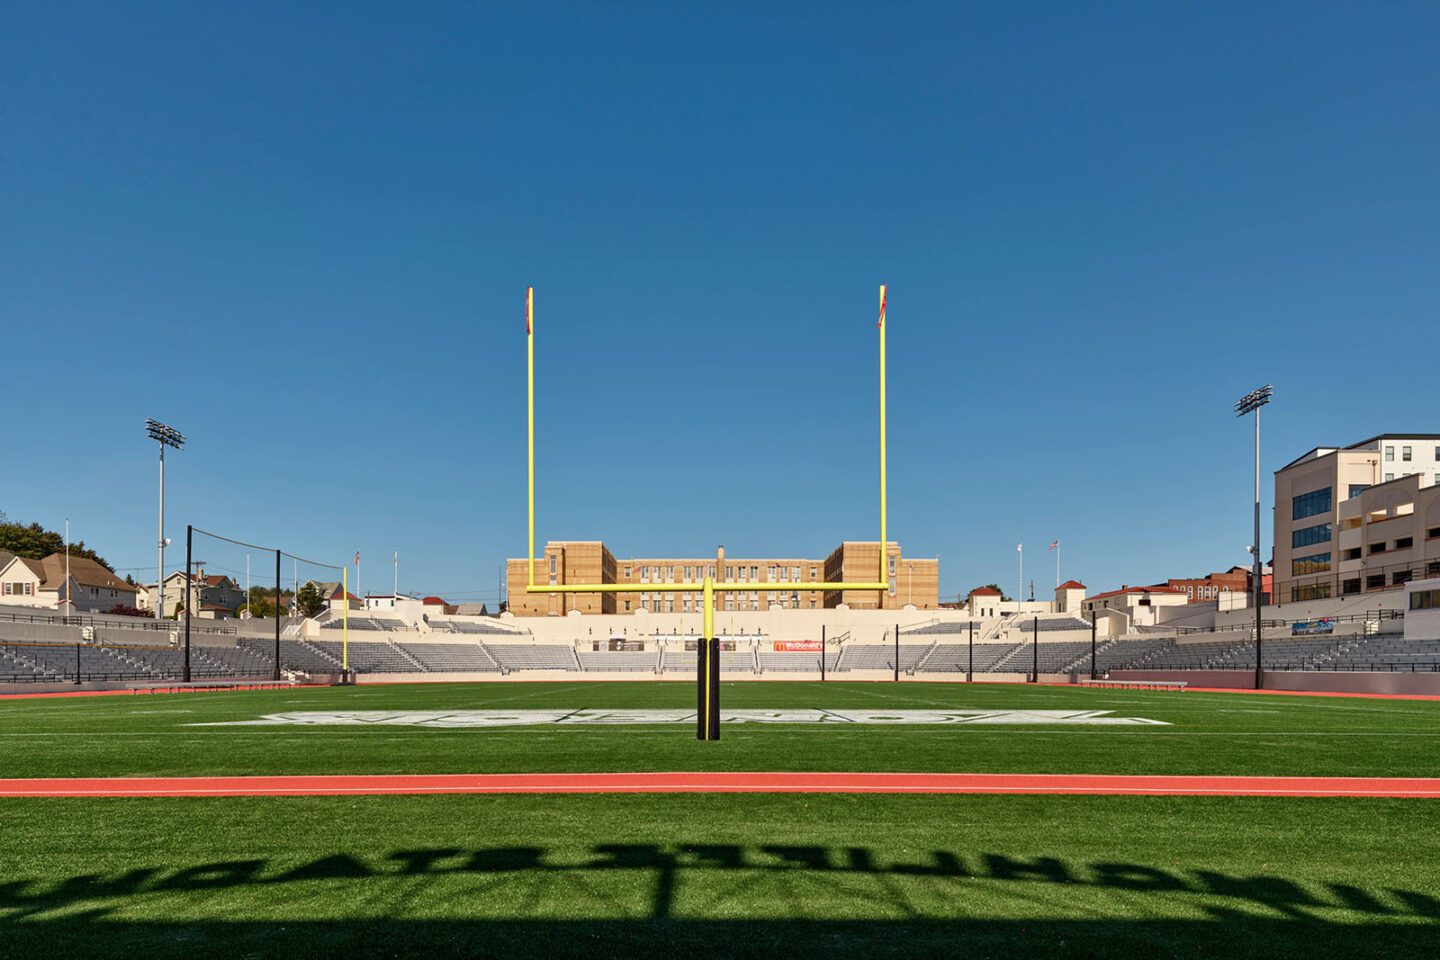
(166, 436)
(1251, 403)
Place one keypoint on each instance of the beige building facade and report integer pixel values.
(1357, 519)
(913, 582)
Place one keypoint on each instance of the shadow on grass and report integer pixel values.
(1140, 911)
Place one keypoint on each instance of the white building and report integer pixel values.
(1137, 603)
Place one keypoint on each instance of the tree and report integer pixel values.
(34, 542)
(310, 600)
(991, 586)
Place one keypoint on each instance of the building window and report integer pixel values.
(1377, 547)
(1310, 591)
(755, 574)
(627, 606)
(1350, 586)
(795, 571)
(1389, 477)
(1402, 576)
(1425, 600)
(1358, 488)
(1308, 536)
(1351, 553)
(1315, 563)
(627, 573)
(813, 576)
(1389, 454)
(1405, 454)
(1310, 504)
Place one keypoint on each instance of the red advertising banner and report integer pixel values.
(797, 646)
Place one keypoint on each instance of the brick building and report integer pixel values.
(912, 582)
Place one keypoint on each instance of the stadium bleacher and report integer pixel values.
(619, 661)
(453, 657)
(533, 656)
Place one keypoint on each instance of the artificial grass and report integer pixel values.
(1208, 733)
(719, 876)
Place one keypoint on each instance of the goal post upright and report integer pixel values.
(707, 663)
(530, 422)
(884, 544)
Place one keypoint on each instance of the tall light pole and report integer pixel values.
(1251, 403)
(166, 436)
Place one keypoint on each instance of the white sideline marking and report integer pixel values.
(514, 718)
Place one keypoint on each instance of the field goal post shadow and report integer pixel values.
(707, 660)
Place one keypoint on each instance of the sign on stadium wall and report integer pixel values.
(1303, 628)
(797, 646)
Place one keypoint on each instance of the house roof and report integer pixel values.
(434, 602)
(1071, 585)
(84, 571)
(984, 592)
(1156, 588)
(34, 566)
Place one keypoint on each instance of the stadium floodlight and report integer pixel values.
(707, 673)
(166, 436)
(1251, 403)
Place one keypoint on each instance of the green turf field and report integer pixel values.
(720, 875)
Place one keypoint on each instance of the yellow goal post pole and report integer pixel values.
(530, 424)
(884, 544)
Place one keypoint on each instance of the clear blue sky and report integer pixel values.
(293, 229)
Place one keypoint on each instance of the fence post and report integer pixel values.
(897, 653)
(1093, 674)
(1035, 649)
(77, 664)
(189, 593)
(277, 615)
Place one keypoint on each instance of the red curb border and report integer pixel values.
(724, 782)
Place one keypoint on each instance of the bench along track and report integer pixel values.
(719, 782)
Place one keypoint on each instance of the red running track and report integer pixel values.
(715, 782)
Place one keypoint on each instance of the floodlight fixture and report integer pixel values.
(164, 433)
(1253, 400)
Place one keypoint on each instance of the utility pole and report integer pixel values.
(1251, 403)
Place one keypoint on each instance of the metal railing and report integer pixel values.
(114, 623)
(1248, 628)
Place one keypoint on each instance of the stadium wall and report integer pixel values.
(1425, 684)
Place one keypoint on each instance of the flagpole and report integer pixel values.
(1057, 563)
(1020, 597)
(396, 595)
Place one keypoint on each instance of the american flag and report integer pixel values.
(1055, 544)
(357, 558)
